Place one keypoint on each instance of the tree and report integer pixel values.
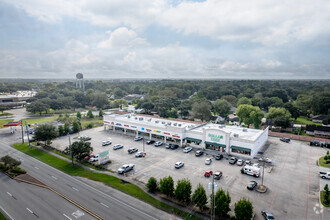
(45, 132)
(148, 106)
(79, 115)
(326, 195)
(11, 162)
(90, 114)
(222, 107)
(37, 106)
(294, 111)
(80, 149)
(229, 98)
(76, 126)
(152, 184)
(3, 108)
(244, 100)
(199, 197)
(201, 110)
(243, 209)
(222, 202)
(280, 116)
(100, 113)
(66, 128)
(183, 190)
(166, 186)
(249, 115)
(100, 99)
(61, 130)
(184, 108)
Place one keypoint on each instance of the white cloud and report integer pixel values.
(267, 22)
(122, 37)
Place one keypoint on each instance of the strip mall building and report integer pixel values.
(232, 140)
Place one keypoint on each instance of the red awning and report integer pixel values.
(13, 123)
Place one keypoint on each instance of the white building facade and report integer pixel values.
(231, 140)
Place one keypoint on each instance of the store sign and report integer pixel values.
(148, 130)
(167, 133)
(104, 157)
(176, 136)
(156, 131)
(142, 129)
(118, 124)
(126, 125)
(112, 123)
(214, 137)
(133, 126)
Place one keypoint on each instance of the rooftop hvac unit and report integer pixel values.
(135, 118)
(169, 123)
(129, 116)
(141, 119)
(244, 130)
(156, 122)
(179, 125)
(149, 119)
(235, 135)
(175, 124)
(163, 122)
(221, 126)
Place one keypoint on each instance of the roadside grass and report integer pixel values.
(3, 122)
(38, 120)
(2, 217)
(322, 199)
(322, 162)
(112, 181)
(95, 122)
(304, 120)
(5, 114)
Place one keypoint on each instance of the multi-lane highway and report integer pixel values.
(98, 198)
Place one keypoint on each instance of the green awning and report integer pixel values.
(194, 140)
(215, 144)
(240, 148)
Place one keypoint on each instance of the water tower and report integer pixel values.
(80, 81)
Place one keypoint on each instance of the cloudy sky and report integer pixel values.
(165, 39)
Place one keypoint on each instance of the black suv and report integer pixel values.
(286, 140)
(150, 142)
(315, 143)
(219, 157)
(174, 146)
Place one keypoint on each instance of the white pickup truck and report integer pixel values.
(325, 175)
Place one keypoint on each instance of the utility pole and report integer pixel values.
(213, 198)
(143, 144)
(22, 132)
(263, 172)
(27, 132)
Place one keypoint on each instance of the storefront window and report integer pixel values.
(241, 152)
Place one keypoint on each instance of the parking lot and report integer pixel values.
(292, 178)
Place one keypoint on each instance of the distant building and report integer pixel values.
(318, 131)
(319, 118)
(16, 99)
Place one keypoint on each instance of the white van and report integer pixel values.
(251, 170)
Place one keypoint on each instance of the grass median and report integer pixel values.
(2, 217)
(322, 162)
(112, 181)
(3, 122)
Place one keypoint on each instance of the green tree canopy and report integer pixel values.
(152, 184)
(249, 115)
(183, 190)
(90, 114)
(222, 107)
(78, 115)
(244, 100)
(166, 186)
(11, 162)
(101, 113)
(222, 202)
(45, 132)
(201, 110)
(199, 197)
(37, 106)
(100, 99)
(80, 149)
(243, 209)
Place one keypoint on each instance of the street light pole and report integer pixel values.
(70, 149)
(263, 172)
(213, 200)
(27, 132)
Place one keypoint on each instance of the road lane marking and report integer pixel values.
(54, 177)
(7, 214)
(29, 210)
(104, 205)
(9, 194)
(75, 189)
(67, 216)
(36, 168)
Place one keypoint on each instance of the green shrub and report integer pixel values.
(3, 167)
(152, 184)
(90, 125)
(18, 170)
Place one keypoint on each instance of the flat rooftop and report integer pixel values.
(243, 133)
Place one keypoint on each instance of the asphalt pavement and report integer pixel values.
(108, 203)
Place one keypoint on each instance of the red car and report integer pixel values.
(89, 157)
(208, 173)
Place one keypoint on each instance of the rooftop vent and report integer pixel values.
(169, 123)
(244, 130)
(175, 124)
(129, 116)
(156, 122)
(141, 119)
(179, 125)
(221, 126)
(163, 122)
(235, 135)
(135, 118)
(149, 119)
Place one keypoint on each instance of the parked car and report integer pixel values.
(179, 164)
(232, 160)
(315, 143)
(158, 143)
(94, 159)
(125, 168)
(117, 146)
(174, 146)
(168, 146)
(248, 162)
(199, 153)
(267, 215)
(84, 138)
(252, 184)
(106, 143)
(132, 150)
(208, 173)
(89, 157)
(140, 154)
(138, 138)
(217, 175)
(150, 142)
(208, 161)
(187, 149)
(325, 144)
(265, 159)
(286, 140)
(218, 156)
(240, 162)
